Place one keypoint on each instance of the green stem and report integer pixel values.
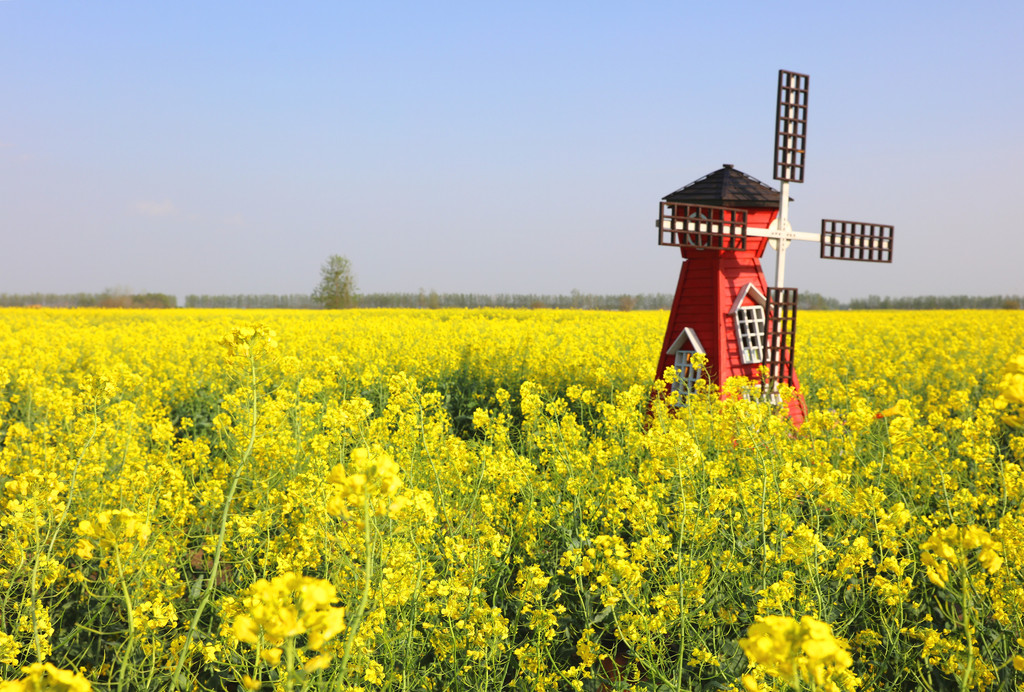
(353, 628)
(126, 656)
(289, 679)
(679, 577)
(176, 681)
(34, 585)
(965, 605)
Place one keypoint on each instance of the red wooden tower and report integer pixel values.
(722, 223)
(721, 297)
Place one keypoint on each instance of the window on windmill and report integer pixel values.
(750, 333)
(682, 349)
(687, 373)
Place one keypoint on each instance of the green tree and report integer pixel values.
(337, 288)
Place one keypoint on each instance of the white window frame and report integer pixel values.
(749, 321)
(687, 373)
(750, 333)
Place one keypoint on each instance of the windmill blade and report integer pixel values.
(857, 241)
(791, 126)
(702, 227)
(780, 336)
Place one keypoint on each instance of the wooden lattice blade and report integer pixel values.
(702, 227)
(791, 126)
(780, 335)
(856, 240)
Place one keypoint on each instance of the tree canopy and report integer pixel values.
(337, 287)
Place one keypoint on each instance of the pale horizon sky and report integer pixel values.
(231, 147)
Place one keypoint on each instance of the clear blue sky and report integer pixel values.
(231, 147)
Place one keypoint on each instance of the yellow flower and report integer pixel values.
(950, 546)
(84, 549)
(374, 673)
(246, 630)
(375, 480)
(792, 650)
(45, 677)
(287, 606)
(316, 663)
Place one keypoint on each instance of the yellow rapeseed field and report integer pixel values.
(492, 499)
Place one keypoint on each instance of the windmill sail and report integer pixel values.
(780, 336)
(791, 126)
(702, 227)
(853, 240)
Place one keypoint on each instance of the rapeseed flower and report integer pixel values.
(1011, 392)
(794, 650)
(45, 677)
(288, 606)
(950, 546)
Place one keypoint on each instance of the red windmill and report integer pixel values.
(722, 224)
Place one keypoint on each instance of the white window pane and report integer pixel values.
(750, 333)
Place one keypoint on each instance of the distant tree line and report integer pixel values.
(939, 303)
(302, 301)
(107, 299)
(294, 301)
(575, 300)
(433, 300)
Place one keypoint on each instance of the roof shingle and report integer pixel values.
(727, 187)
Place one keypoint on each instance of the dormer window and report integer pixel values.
(685, 345)
(748, 315)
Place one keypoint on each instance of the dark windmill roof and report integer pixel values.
(727, 187)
